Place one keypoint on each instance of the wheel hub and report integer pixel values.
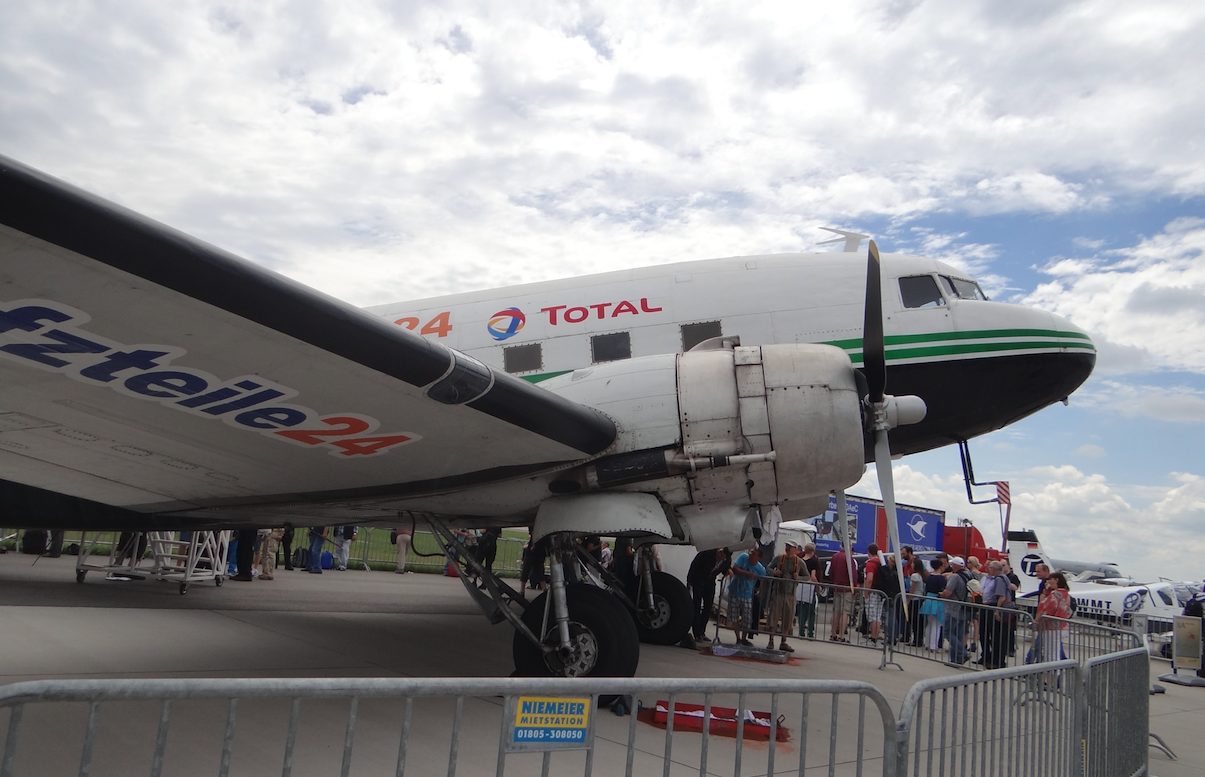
(658, 616)
(583, 654)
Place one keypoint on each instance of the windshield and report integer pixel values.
(920, 291)
(962, 289)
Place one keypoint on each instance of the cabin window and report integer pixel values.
(920, 291)
(1166, 599)
(693, 334)
(612, 347)
(962, 289)
(523, 358)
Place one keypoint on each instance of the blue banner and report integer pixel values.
(920, 528)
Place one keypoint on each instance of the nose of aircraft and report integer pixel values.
(1003, 363)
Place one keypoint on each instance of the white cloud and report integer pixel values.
(1091, 451)
(1179, 404)
(1145, 303)
(1152, 531)
(384, 151)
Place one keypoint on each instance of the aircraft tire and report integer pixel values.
(603, 632)
(673, 618)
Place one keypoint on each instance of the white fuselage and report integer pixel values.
(783, 298)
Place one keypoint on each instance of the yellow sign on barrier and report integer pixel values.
(550, 723)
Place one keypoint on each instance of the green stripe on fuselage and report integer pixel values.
(978, 334)
(1057, 340)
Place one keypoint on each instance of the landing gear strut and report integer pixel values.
(660, 606)
(574, 629)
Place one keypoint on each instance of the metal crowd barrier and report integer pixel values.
(992, 637)
(371, 548)
(418, 726)
(1047, 719)
(1115, 705)
(811, 608)
(1007, 722)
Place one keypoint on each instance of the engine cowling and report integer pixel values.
(746, 425)
(800, 401)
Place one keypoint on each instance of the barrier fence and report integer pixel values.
(1011, 722)
(976, 636)
(371, 549)
(1116, 703)
(1049, 719)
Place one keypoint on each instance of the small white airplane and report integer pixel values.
(1102, 591)
(152, 381)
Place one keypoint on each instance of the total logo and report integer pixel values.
(505, 324)
(29, 336)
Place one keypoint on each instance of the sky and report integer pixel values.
(384, 151)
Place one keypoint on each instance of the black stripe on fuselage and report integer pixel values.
(970, 397)
(51, 210)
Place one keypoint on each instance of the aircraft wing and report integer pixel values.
(146, 374)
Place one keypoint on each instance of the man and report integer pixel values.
(700, 578)
(244, 554)
(995, 628)
(874, 602)
(955, 626)
(888, 585)
(843, 598)
(787, 566)
(269, 544)
(317, 535)
(403, 538)
(343, 537)
(805, 595)
(745, 571)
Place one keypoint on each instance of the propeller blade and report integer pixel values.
(882, 461)
(849, 555)
(874, 362)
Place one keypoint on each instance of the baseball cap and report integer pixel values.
(958, 561)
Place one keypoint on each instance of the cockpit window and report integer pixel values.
(1166, 599)
(962, 289)
(920, 291)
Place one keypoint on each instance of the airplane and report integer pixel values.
(152, 381)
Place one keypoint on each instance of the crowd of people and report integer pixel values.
(956, 607)
(780, 590)
(254, 553)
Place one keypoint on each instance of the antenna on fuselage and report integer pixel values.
(852, 239)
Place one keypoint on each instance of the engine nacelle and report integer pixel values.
(799, 401)
(746, 425)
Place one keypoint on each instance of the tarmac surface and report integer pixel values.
(374, 624)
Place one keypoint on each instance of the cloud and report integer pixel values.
(1091, 451)
(1144, 303)
(1151, 531)
(366, 147)
(1178, 404)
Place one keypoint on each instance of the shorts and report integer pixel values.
(843, 603)
(874, 608)
(740, 613)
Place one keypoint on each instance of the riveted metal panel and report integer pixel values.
(707, 399)
(746, 354)
(764, 490)
(754, 418)
(749, 381)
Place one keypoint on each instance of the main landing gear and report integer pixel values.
(587, 623)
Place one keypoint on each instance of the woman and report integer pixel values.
(933, 609)
(1055, 602)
